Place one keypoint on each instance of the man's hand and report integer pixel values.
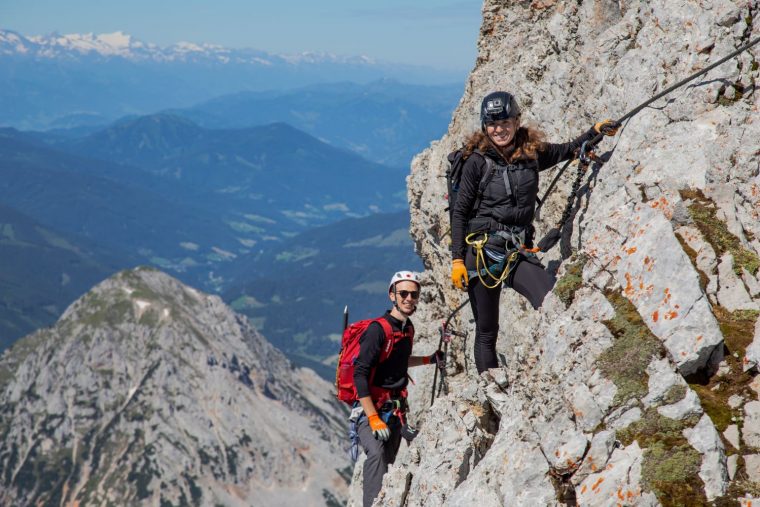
(459, 274)
(379, 428)
(437, 358)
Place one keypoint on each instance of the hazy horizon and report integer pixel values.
(438, 34)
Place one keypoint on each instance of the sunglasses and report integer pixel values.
(406, 293)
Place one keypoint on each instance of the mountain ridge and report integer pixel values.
(147, 390)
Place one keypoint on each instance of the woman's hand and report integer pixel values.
(459, 274)
(607, 127)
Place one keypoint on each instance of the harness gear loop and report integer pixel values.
(503, 268)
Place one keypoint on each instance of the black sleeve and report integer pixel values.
(472, 172)
(553, 154)
(370, 345)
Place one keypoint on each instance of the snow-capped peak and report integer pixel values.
(122, 45)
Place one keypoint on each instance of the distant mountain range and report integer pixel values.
(84, 79)
(197, 202)
(120, 44)
(274, 170)
(385, 120)
(295, 291)
(113, 206)
(175, 191)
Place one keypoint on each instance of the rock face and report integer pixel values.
(150, 392)
(618, 386)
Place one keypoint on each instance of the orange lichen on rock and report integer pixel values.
(628, 285)
(596, 485)
(671, 315)
(655, 316)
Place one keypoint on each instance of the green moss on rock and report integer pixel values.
(634, 347)
(704, 213)
(674, 395)
(737, 328)
(568, 285)
(670, 466)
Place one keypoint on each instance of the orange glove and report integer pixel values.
(607, 127)
(379, 428)
(459, 274)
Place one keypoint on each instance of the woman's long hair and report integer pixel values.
(526, 144)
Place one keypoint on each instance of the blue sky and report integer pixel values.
(439, 33)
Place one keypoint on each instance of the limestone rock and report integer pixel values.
(687, 407)
(751, 282)
(732, 435)
(619, 477)
(706, 260)
(752, 355)
(732, 294)
(732, 464)
(662, 379)
(752, 467)
(587, 413)
(705, 439)
(751, 427)
(602, 446)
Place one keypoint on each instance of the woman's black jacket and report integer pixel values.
(515, 208)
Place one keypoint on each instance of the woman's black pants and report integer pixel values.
(530, 280)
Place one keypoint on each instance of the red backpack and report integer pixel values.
(349, 351)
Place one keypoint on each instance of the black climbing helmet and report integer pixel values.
(498, 106)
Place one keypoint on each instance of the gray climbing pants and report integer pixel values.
(379, 456)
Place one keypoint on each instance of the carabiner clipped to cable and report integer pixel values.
(586, 154)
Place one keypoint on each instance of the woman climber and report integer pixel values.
(491, 228)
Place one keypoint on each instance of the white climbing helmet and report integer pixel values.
(404, 276)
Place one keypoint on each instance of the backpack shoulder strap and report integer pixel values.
(389, 341)
(484, 181)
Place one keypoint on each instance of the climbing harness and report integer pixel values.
(586, 150)
(505, 263)
(393, 407)
(443, 342)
